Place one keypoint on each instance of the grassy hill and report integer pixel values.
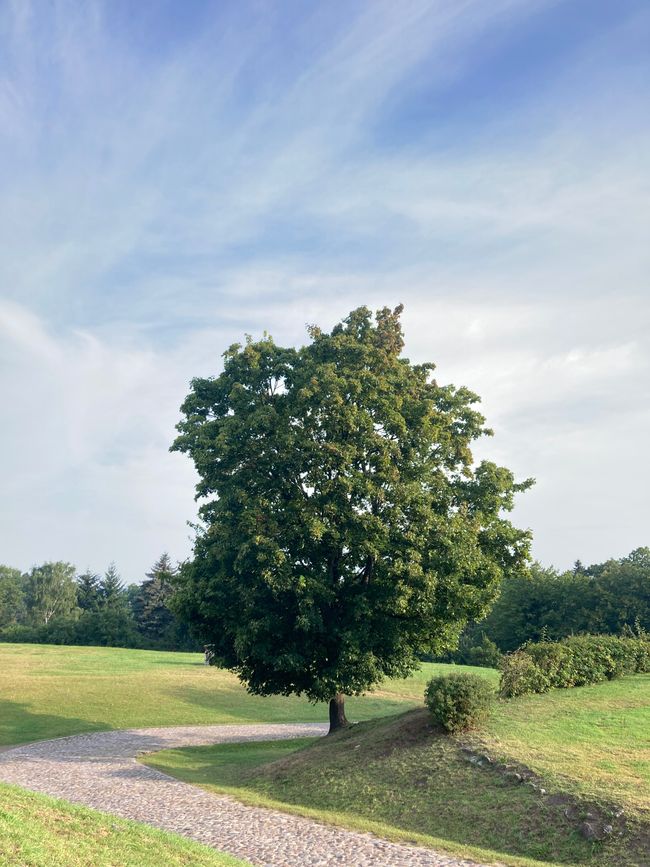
(395, 775)
(50, 691)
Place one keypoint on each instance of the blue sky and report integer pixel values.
(175, 175)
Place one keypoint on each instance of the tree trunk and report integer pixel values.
(337, 713)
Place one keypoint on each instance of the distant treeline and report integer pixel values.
(611, 598)
(54, 604)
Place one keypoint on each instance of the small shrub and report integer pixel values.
(520, 675)
(459, 701)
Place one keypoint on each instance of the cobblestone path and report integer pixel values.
(100, 770)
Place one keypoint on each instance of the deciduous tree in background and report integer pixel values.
(12, 597)
(51, 591)
(346, 528)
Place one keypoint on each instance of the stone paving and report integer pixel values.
(100, 770)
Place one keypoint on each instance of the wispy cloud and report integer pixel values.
(168, 186)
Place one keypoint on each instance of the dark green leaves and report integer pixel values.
(346, 530)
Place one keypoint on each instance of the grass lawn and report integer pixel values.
(397, 777)
(594, 740)
(49, 691)
(43, 832)
(389, 774)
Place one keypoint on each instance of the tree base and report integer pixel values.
(338, 719)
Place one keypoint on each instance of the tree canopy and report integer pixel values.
(346, 529)
(53, 604)
(12, 596)
(609, 598)
(51, 591)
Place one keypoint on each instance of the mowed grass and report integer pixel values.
(399, 778)
(51, 691)
(594, 740)
(37, 831)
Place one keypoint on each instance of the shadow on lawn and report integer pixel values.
(20, 725)
(234, 704)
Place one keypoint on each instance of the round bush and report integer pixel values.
(459, 701)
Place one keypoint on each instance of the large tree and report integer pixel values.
(346, 529)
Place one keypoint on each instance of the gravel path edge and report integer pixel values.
(101, 770)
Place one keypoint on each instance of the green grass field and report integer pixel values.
(391, 775)
(43, 832)
(50, 691)
(593, 740)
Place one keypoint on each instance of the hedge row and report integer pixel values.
(575, 661)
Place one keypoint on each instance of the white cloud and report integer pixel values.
(150, 218)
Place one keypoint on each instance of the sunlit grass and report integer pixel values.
(387, 776)
(595, 739)
(43, 832)
(49, 691)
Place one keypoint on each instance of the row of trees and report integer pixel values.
(606, 598)
(53, 603)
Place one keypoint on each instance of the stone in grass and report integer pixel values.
(594, 831)
(514, 777)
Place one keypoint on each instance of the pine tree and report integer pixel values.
(114, 621)
(112, 592)
(88, 591)
(154, 619)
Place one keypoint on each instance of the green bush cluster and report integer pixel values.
(575, 661)
(521, 676)
(459, 701)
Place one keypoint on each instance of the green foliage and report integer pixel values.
(459, 702)
(576, 661)
(12, 596)
(50, 605)
(520, 676)
(106, 617)
(88, 591)
(606, 598)
(150, 604)
(50, 592)
(474, 649)
(485, 655)
(346, 530)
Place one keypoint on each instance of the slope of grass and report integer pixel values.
(42, 832)
(398, 777)
(593, 740)
(50, 691)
